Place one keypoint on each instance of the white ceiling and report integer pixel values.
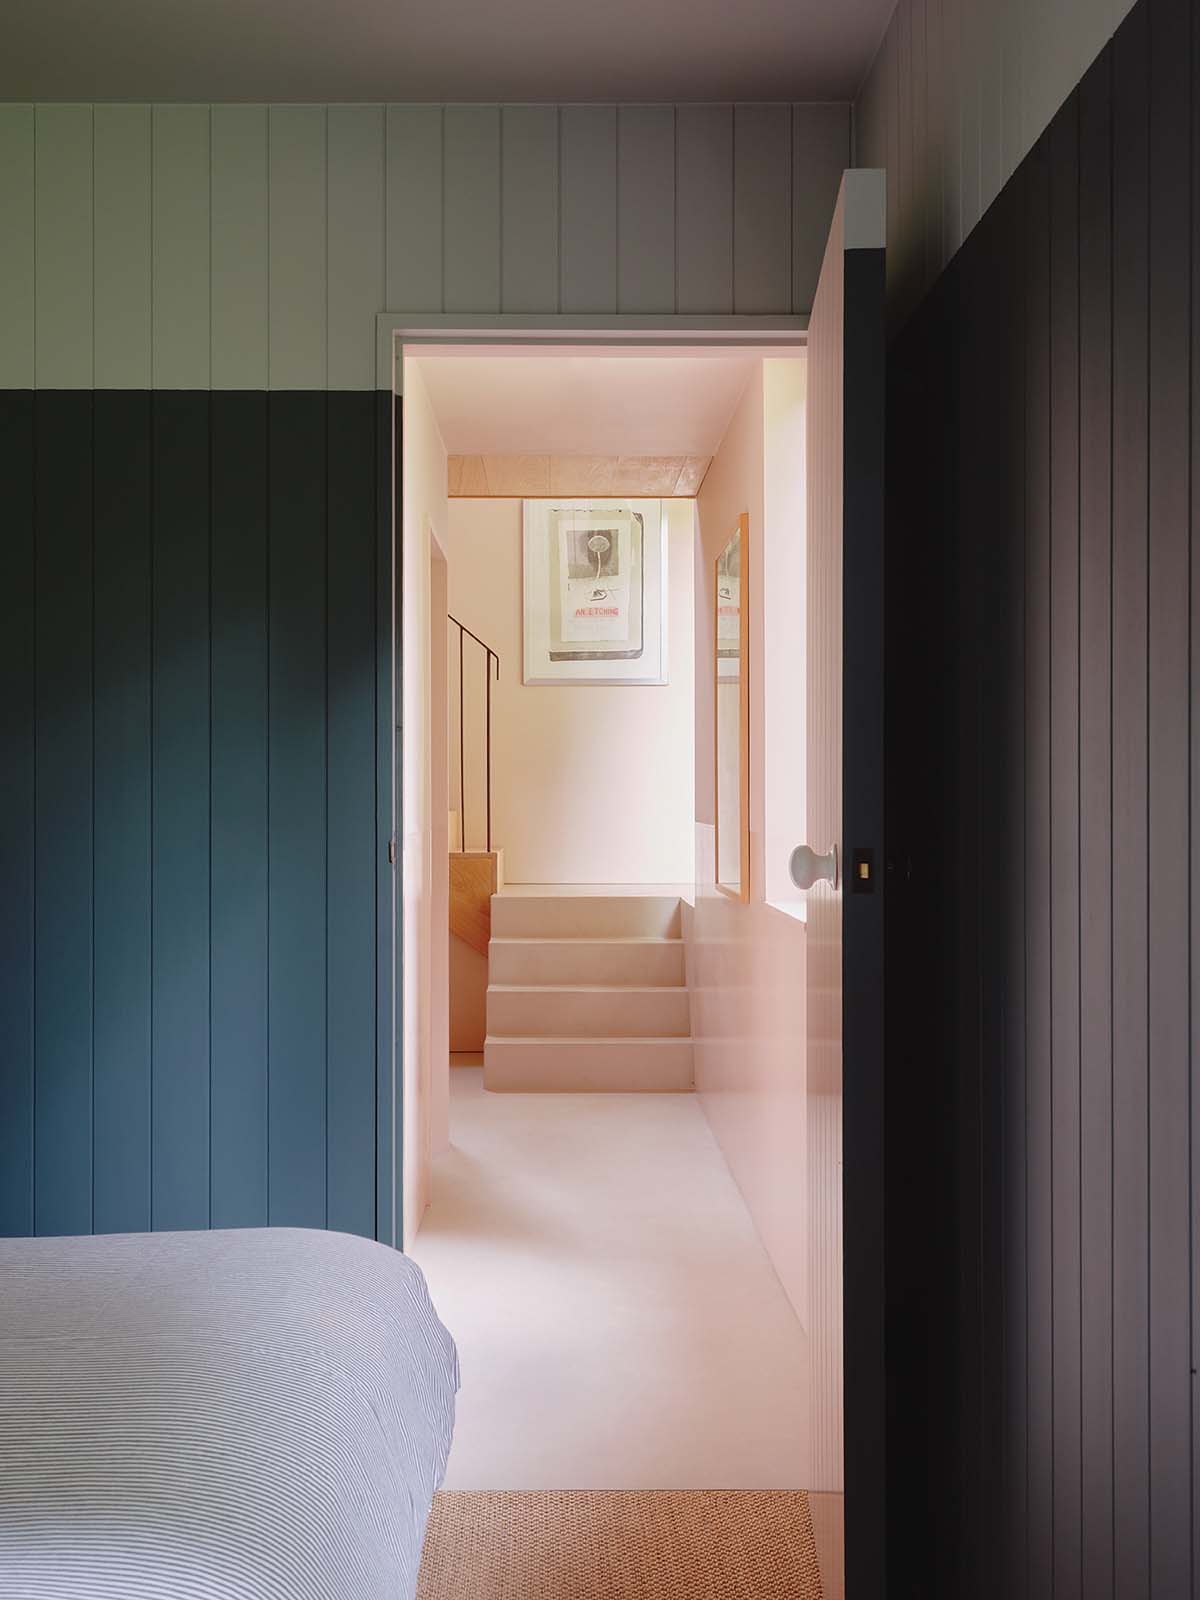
(584, 404)
(489, 50)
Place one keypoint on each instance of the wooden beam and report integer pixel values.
(525, 477)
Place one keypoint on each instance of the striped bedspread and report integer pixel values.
(253, 1415)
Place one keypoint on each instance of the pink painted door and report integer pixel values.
(840, 867)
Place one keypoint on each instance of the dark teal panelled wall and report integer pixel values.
(190, 813)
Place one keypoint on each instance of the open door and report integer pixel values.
(840, 865)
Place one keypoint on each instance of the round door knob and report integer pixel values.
(809, 867)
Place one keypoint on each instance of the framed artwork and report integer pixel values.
(595, 592)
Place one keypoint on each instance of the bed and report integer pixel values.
(260, 1414)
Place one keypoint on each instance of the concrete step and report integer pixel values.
(585, 916)
(637, 961)
(587, 1066)
(583, 1011)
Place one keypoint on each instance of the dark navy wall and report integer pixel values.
(1043, 1113)
(191, 824)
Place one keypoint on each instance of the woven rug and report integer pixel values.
(620, 1545)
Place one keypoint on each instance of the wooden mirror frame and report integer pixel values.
(742, 892)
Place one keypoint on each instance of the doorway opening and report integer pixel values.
(599, 1266)
(617, 1206)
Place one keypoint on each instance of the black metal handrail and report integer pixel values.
(490, 656)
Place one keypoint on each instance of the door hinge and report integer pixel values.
(392, 851)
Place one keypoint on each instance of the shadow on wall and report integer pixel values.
(188, 984)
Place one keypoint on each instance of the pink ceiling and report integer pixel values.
(583, 403)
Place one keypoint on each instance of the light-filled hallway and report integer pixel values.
(619, 1324)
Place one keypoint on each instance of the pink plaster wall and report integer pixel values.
(747, 962)
(424, 918)
(568, 761)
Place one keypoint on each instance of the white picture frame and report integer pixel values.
(607, 627)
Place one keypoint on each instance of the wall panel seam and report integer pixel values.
(92, 116)
(675, 208)
(442, 218)
(37, 624)
(733, 208)
(500, 207)
(92, 952)
(153, 698)
(325, 713)
(211, 658)
(268, 479)
(617, 119)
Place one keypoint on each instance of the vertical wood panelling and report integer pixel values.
(1010, 71)
(529, 216)
(952, 235)
(934, 161)
(137, 837)
(820, 154)
(1063, 152)
(350, 823)
(240, 755)
(18, 801)
(588, 175)
(970, 77)
(121, 1034)
(646, 208)
(967, 928)
(901, 172)
(1169, 354)
(297, 284)
(1095, 825)
(1011, 997)
(762, 184)
(182, 229)
(958, 93)
(249, 246)
(414, 208)
(704, 209)
(356, 242)
(922, 167)
(471, 197)
(992, 171)
(121, 285)
(63, 243)
(239, 247)
(1131, 1534)
(1038, 869)
(17, 253)
(1072, 1214)
(181, 949)
(297, 957)
(62, 1153)
(1194, 734)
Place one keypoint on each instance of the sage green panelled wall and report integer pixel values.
(250, 247)
(957, 96)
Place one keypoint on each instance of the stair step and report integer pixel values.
(585, 916)
(587, 1066)
(637, 961)
(581, 1011)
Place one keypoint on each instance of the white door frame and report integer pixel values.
(396, 332)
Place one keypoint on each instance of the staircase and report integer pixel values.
(586, 993)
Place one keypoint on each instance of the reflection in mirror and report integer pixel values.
(732, 720)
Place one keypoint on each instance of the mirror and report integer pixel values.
(731, 733)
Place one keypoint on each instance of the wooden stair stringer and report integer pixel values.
(475, 876)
